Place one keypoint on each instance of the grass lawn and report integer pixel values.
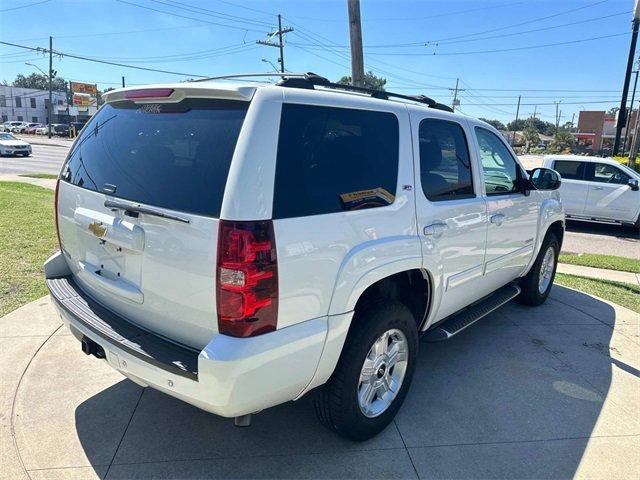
(624, 294)
(39, 175)
(27, 239)
(603, 261)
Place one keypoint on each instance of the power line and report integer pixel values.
(236, 27)
(523, 32)
(526, 22)
(405, 19)
(212, 13)
(24, 6)
(500, 50)
(88, 59)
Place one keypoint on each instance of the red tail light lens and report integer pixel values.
(247, 278)
(55, 212)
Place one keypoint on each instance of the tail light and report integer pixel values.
(55, 212)
(247, 278)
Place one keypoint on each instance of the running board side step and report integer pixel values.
(470, 315)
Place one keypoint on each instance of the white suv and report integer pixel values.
(240, 245)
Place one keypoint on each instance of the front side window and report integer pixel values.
(501, 171)
(445, 167)
(333, 160)
(605, 173)
(570, 170)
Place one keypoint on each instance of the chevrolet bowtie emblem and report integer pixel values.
(97, 229)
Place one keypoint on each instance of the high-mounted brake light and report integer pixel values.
(148, 93)
(55, 212)
(247, 278)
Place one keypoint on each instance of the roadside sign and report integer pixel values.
(89, 88)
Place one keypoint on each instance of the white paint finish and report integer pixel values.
(249, 190)
(322, 253)
(236, 376)
(454, 253)
(574, 196)
(175, 272)
(587, 199)
(611, 201)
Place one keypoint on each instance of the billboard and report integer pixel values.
(81, 99)
(89, 88)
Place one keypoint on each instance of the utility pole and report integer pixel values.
(515, 124)
(280, 45)
(456, 90)
(634, 147)
(622, 113)
(355, 36)
(535, 111)
(123, 81)
(557, 118)
(628, 122)
(50, 112)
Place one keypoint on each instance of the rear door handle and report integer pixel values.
(498, 218)
(435, 229)
(598, 188)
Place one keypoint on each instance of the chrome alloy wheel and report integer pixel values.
(546, 270)
(382, 373)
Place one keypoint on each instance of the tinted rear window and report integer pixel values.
(333, 160)
(174, 156)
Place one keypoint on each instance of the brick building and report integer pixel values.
(597, 130)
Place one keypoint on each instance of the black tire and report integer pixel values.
(336, 403)
(531, 294)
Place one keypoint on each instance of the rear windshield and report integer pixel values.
(170, 155)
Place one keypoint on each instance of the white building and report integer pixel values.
(30, 105)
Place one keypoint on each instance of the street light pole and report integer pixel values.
(622, 113)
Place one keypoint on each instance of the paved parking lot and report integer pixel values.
(550, 392)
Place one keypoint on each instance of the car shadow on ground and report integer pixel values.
(519, 394)
(619, 231)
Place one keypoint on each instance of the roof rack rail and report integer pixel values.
(245, 75)
(311, 80)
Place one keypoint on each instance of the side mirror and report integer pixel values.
(545, 179)
(634, 184)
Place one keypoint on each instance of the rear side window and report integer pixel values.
(570, 170)
(445, 168)
(170, 155)
(333, 160)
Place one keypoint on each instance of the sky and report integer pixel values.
(420, 47)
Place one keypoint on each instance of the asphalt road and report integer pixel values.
(44, 159)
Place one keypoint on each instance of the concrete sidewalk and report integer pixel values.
(547, 392)
(40, 182)
(45, 140)
(599, 273)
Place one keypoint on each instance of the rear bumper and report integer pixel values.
(229, 377)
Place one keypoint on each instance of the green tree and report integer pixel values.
(39, 81)
(370, 81)
(497, 124)
(562, 142)
(531, 137)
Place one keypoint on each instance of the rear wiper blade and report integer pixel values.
(128, 207)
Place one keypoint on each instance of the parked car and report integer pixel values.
(60, 129)
(30, 128)
(18, 127)
(43, 130)
(7, 126)
(240, 246)
(597, 189)
(10, 145)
